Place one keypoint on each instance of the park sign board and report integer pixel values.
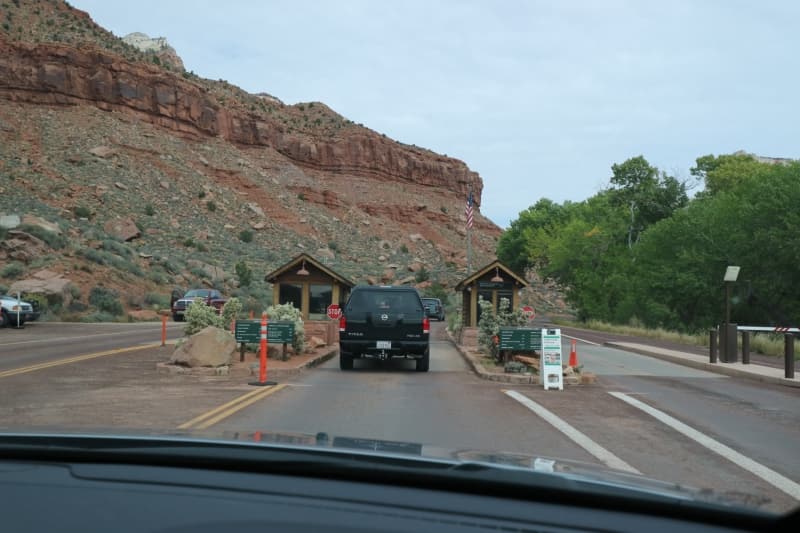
(552, 376)
(249, 331)
(520, 339)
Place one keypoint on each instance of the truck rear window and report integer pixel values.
(394, 301)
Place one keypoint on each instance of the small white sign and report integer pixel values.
(552, 373)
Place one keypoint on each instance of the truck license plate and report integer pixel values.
(384, 345)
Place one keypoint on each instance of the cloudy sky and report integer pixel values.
(539, 97)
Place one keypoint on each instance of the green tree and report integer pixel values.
(243, 273)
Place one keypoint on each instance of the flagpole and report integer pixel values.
(469, 251)
(470, 206)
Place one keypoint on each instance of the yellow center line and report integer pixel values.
(68, 360)
(210, 418)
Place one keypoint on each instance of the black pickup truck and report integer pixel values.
(384, 322)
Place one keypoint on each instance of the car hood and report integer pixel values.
(417, 455)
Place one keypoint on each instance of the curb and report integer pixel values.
(228, 371)
(481, 372)
(709, 367)
(311, 363)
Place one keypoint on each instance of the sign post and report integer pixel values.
(552, 376)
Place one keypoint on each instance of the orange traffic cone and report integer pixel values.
(573, 353)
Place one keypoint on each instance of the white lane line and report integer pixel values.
(582, 340)
(767, 474)
(577, 437)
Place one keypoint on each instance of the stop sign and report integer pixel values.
(334, 311)
(529, 313)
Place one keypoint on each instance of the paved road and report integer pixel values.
(42, 342)
(450, 407)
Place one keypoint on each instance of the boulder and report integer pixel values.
(102, 151)
(312, 343)
(121, 186)
(405, 281)
(371, 280)
(210, 346)
(416, 266)
(122, 228)
(258, 225)
(30, 220)
(415, 237)
(21, 246)
(325, 253)
(44, 282)
(388, 275)
(9, 221)
(256, 209)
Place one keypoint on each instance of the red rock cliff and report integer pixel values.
(61, 74)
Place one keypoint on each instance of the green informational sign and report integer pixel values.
(249, 331)
(520, 339)
(280, 332)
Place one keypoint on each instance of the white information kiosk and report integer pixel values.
(552, 373)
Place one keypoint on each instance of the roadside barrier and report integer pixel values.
(729, 356)
(262, 368)
(163, 330)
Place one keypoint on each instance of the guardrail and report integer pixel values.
(729, 356)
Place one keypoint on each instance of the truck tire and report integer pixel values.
(424, 362)
(345, 361)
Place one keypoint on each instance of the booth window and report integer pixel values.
(320, 297)
(291, 294)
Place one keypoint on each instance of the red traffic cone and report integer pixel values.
(573, 353)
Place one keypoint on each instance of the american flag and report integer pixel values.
(468, 210)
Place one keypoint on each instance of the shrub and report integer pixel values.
(105, 300)
(422, 275)
(246, 235)
(149, 210)
(117, 248)
(74, 291)
(199, 273)
(201, 194)
(82, 212)
(12, 270)
(230, 312)
(490, 323)
(404, 248)
(198, 316)
(289, 313)
(243, 274)
(211, 205)
(53, 240)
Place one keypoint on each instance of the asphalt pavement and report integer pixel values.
(45, 342)
(666, 421)
(451, 408)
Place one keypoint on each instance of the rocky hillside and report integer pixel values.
(122, 170)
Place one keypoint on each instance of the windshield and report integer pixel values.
(197, 294)
(572, 227)
(385, 300)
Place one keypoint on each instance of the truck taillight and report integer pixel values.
(426, 325)
(342, 324)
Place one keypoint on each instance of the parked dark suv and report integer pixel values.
(382, 323)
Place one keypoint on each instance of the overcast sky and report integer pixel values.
(539, 97)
